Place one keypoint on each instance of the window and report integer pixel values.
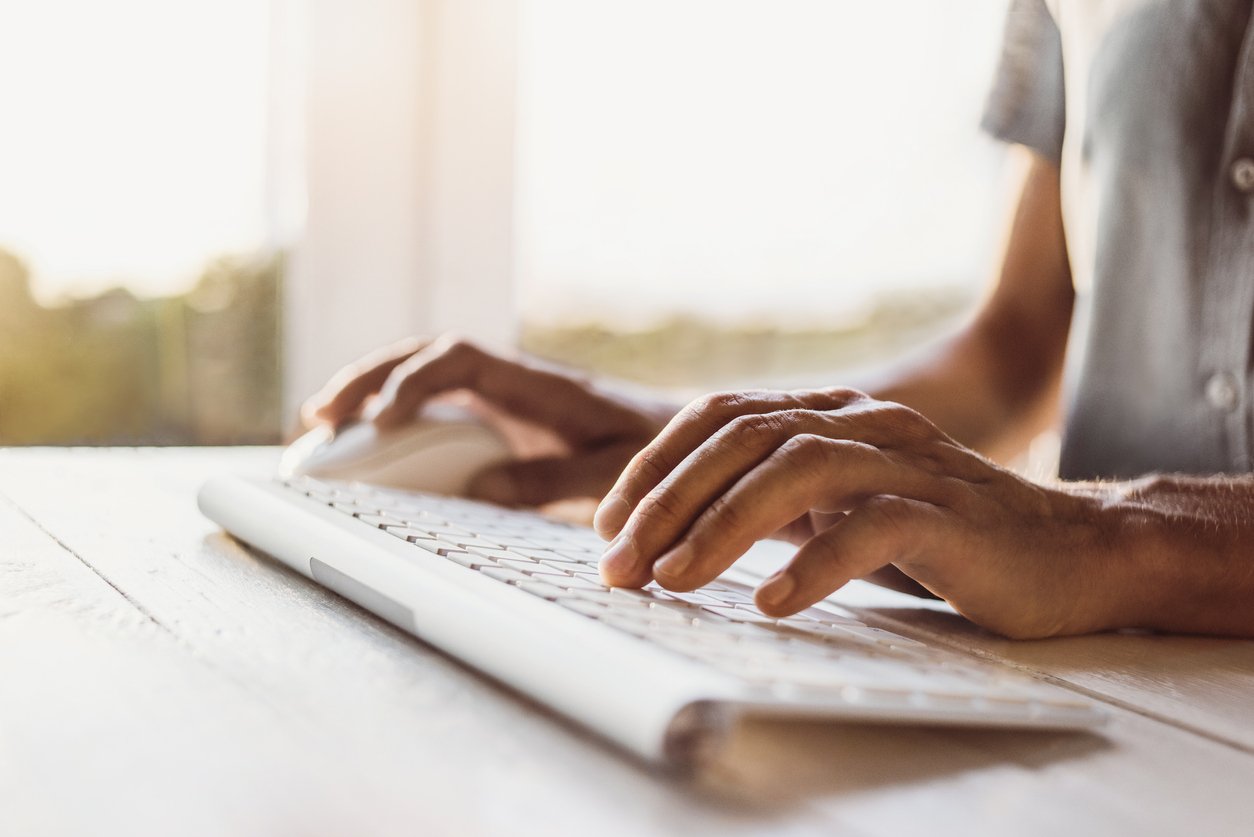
(715, 193)
(139, 223)
(206, 207)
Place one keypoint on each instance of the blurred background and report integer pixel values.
(206, 207)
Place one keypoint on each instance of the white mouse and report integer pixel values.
(439, 452)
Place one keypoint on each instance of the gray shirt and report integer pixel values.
(1148, 108)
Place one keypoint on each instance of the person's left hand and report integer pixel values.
(862, 484)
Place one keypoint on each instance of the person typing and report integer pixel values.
(1125, 296)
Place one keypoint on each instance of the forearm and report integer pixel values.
(1183, 548)
(963, 388)
(994, 386)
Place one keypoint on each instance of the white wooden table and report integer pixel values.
(157, 678)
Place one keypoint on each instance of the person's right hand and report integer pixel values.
(573, 437)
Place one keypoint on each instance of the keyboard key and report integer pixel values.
(496, 554)
(532, 568)
(593, 574)
(819, 630)
(407, 532)
(635, 627)
(470, 542)
(752, 609)
(663, 612)
(726, 595)
(467, 559)
(565, 546)
(378, 520)
(428, 544)
(696, 597)
(542, 588)
(631, 594)
(512, 542)
(739, 614)
(596, 611)
(448, 532)
(565, 558)
(604, 597)
(575, 582)
(560, 567)
(502, 574)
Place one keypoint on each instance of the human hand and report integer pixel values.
(861, 485)
(571, 436)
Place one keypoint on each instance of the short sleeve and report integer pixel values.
(1026, 104)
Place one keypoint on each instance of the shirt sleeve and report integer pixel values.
(1026, 104)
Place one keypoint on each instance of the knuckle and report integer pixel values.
(901, 419)
(754, 432)
(795, 417)
(931, 461)
(914, 421)
(717, 403)
(804, 445)
(347, 372)
(649, 467)
(726, 515)
(825, 549)
(845, 395)
(458, 347)
(692, 413)
(408, 346)
(893, 517)
(309, 412)
(403, 373)
(898, 413)
(343, 377)
(956, 494)
(809, 450)
(660, 506)
(391, 353)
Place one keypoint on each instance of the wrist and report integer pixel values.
(1159, 560)
(1126, 580)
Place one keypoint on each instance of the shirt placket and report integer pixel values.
(1225, 376)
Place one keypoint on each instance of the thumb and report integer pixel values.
(534, 482)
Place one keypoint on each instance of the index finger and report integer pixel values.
(554, 399)
(343, 395)
(688, 431)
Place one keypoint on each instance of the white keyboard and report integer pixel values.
(823, 655)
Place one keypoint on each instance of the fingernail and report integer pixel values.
(611, 515)
(776, 589)
(676, 562)
(620, 556)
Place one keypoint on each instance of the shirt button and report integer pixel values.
(1221, 392)
(1243, 174)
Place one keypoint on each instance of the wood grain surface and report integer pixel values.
(158, 678)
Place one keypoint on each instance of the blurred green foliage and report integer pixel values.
(197, 368)
(692, 355)
(205, 367)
